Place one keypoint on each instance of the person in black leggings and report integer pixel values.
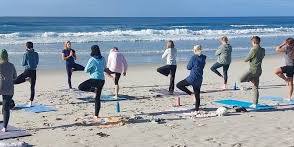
(196, 66)
(30, 62)
(223, 54)
(7, 75)
(170, 68)
(69, 55)
(95, 67)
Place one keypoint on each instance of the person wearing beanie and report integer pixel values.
(7, 75)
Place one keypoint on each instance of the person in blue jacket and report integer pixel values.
(30, 62)
(96, 67)
(196, 66)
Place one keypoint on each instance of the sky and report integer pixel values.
(146, 8)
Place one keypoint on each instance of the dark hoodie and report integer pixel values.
(30, 59)
(196, 65)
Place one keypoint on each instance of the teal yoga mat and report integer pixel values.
(238, 103)
(36, 108)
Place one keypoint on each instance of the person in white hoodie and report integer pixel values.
(117, 65)
(170, 68)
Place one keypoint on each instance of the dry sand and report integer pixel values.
(60, 128)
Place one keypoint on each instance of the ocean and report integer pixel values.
(142, 40)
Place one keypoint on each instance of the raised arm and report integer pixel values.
(281, 48)
(24, 60)
(89, 66)
(166, 52)
(219, 51)
(190, 64)
(251, 55)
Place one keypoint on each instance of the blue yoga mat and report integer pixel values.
(231, 102)
(111, 98)
(273, 98)
(36, 108)
(278, 99)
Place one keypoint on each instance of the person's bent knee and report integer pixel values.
(278, 71)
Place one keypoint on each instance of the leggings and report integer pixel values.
(116, 78)
(93, 85)
(22, 78)
(6, 109)
(249, 77)
(217, 65)
(182, 86)
(70, 68)
(166, 70)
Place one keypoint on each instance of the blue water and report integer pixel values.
(141, 39)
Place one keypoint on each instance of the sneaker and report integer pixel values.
(253, 106)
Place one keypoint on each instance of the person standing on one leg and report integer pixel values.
(287, 48)
(30, 62)
(117, 64)
(69, 55)
(196, 66)
(170, 54)
(224, 57)
(96, 67)
(7, 75)
(254, 58)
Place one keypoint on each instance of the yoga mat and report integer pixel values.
(36, 108)
(112, 98)
(238, 103)
(278, 99)
(13, 132)
(273, 98)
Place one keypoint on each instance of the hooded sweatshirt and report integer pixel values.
(30, 59)
(7, 75)
(95, 67)
(117, 62)
(223, 54)
(196, 66)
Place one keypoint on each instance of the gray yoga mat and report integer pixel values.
(13, 132)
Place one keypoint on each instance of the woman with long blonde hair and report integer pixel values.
(69, 55)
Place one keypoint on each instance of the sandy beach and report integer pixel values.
(141, 85)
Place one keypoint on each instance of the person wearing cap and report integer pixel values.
(196, 66)
(117, 65)
(224, 58)
(96, 67)
(30, 62)
(255, 57)
(7, 76)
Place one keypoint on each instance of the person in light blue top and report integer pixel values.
(96, 67)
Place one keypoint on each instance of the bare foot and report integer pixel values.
(4, 130)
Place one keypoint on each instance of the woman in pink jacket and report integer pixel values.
(117, 65)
